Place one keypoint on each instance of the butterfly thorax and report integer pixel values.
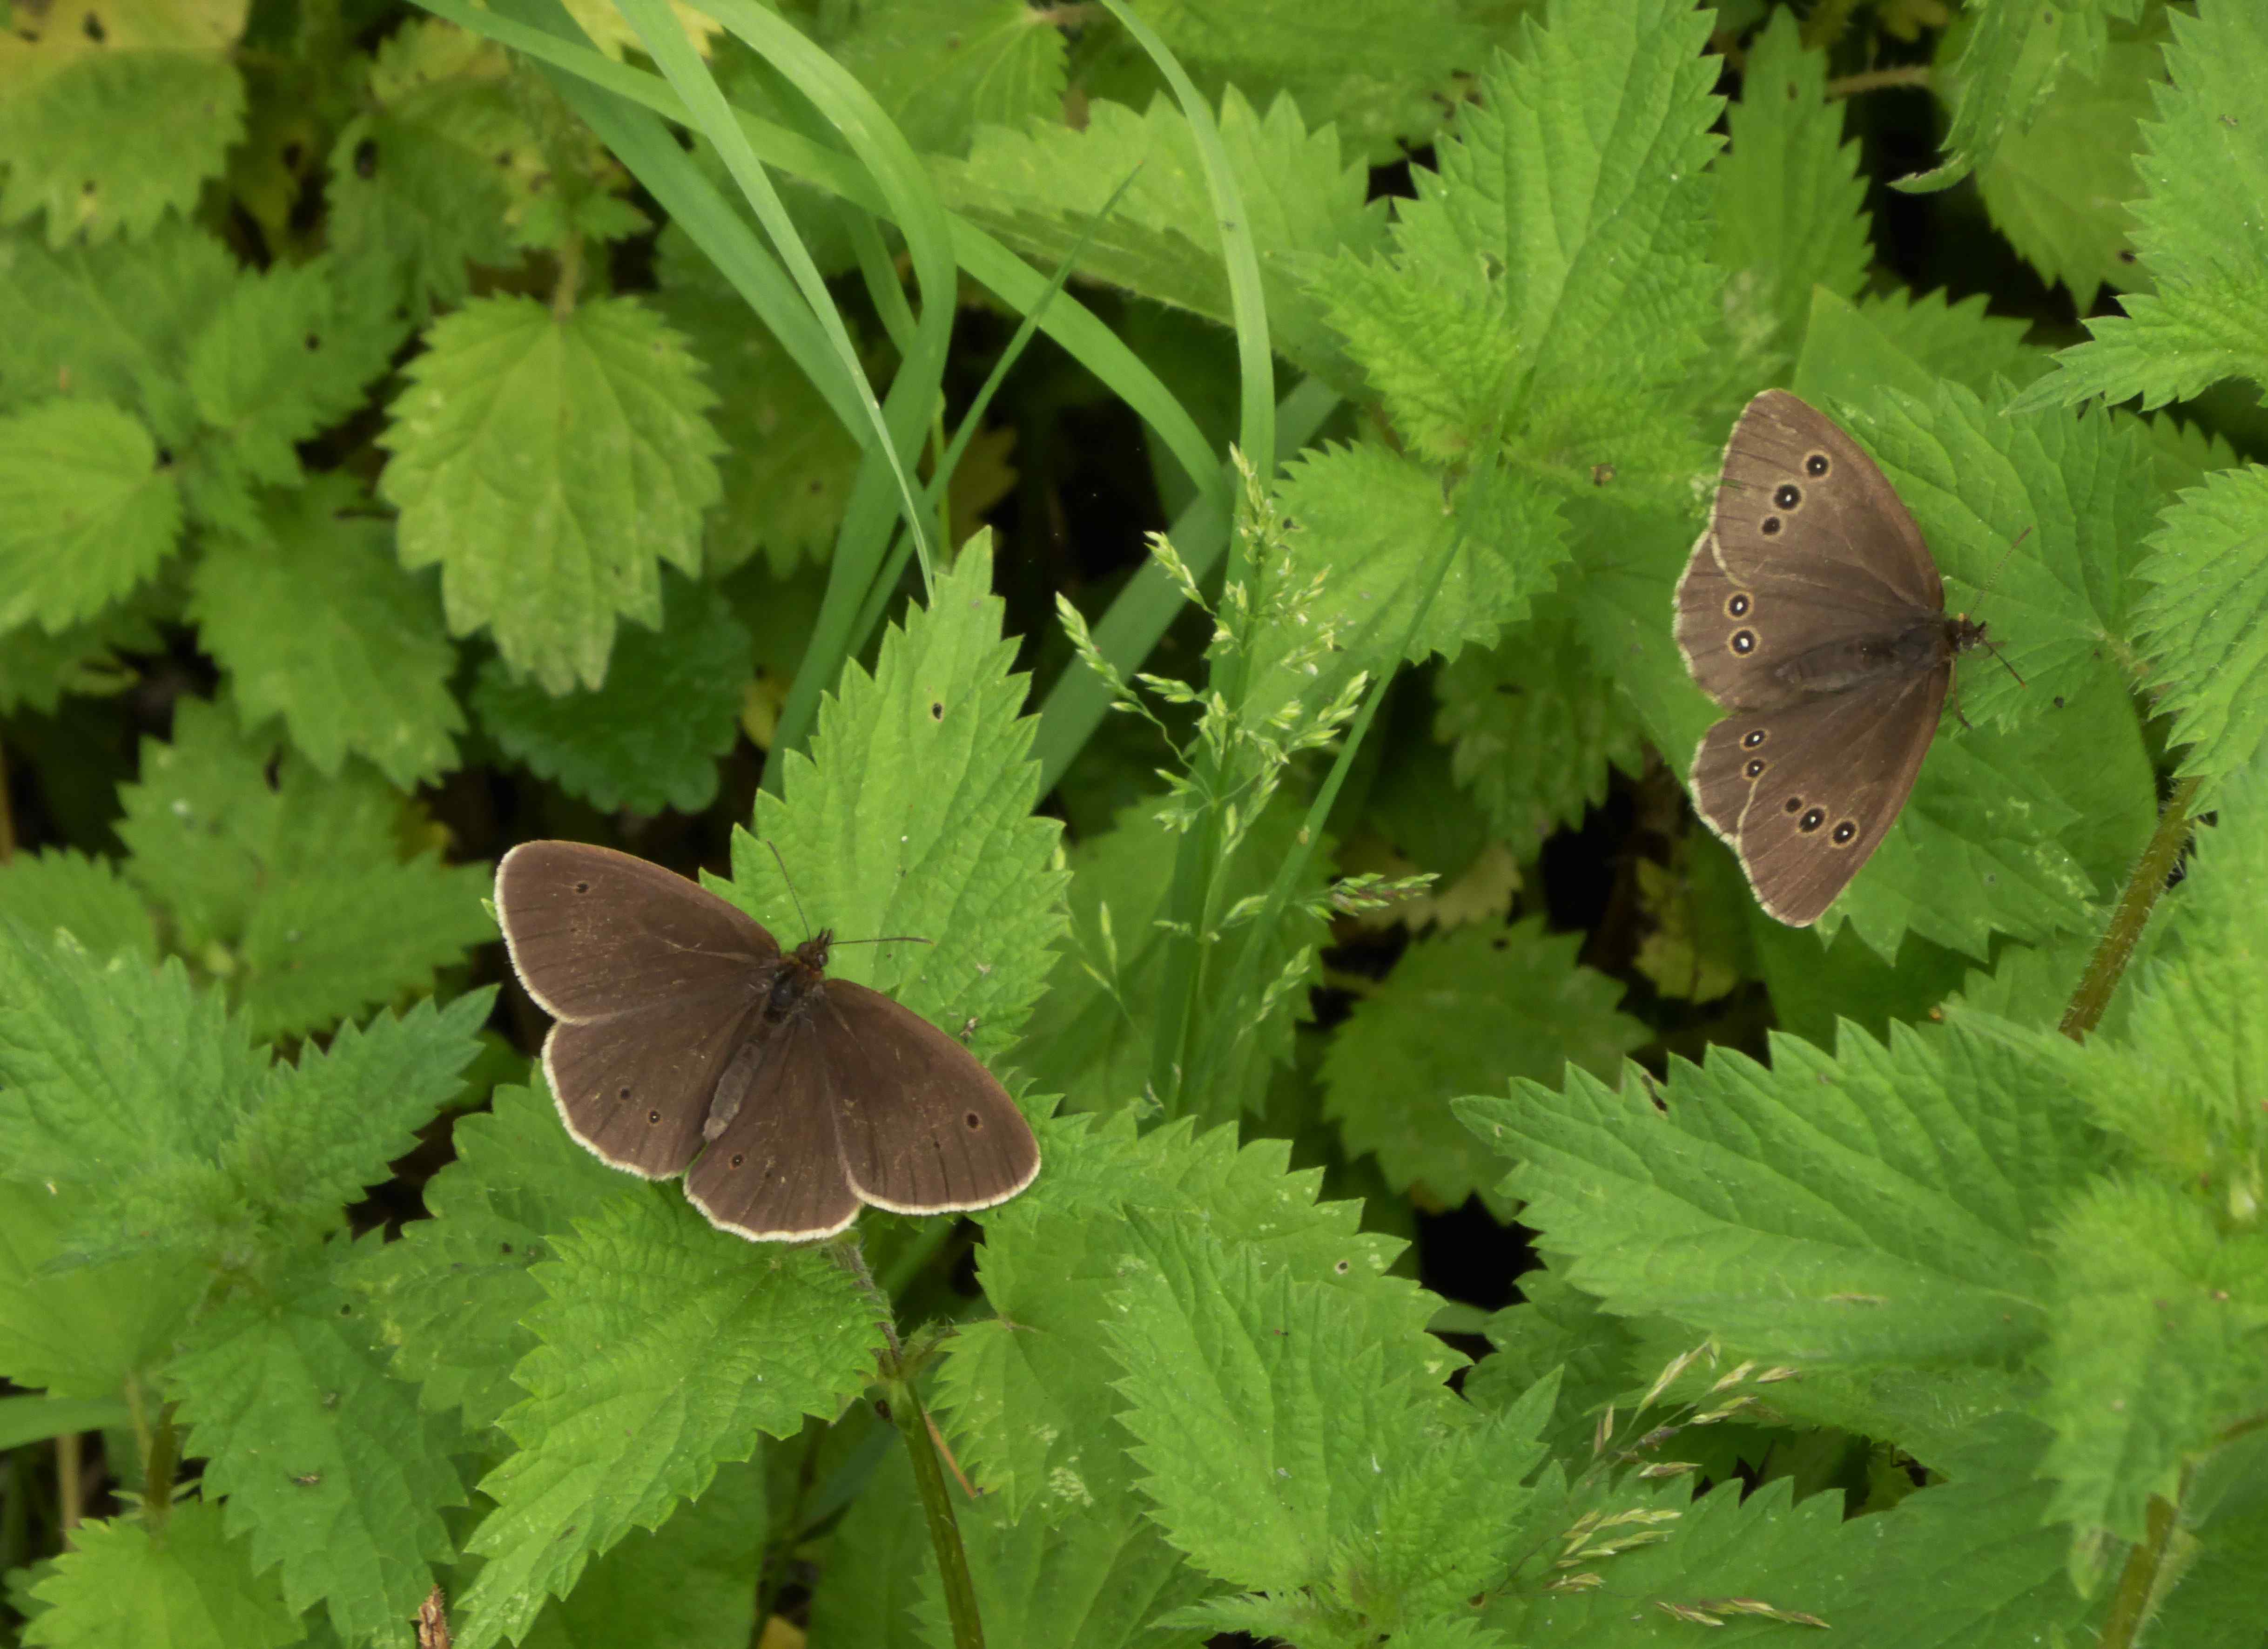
(802, 971)
(1839, 666)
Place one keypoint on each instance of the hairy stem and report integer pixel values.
(936, 1510)
(2143, 890)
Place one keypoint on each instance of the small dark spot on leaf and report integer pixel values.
(365, 159)
(94, 30)
(936, 711)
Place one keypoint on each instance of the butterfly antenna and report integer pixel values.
(1993, 577)
(790, 882)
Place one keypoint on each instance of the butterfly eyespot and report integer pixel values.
(738, 1159)
(1787, 495)
(1753, 737)
(1738, 606)
(1770, 527)
(653, 1117)
(582, 887)
(972, 1121)
(1755, 769)
(1743, 642)
(1812, 820)
(1843, 833)
(621, 1093)
(1793, 804)
(1816, 465)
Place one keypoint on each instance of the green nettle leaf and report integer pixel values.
(315, 621)
(108, 129)
(868, 1592)
(1386, 74)
(547, 463)
(127, 1584)
(84, 897)
(690, 1582)
(325, 1459)
(2057, 186)
(292, 890)
(2009, 60)
(666, 1348)
(1466, 1009)
(139, 1093)
(1714, 1560)
(86, 511)
(115, 322)
(1064, 1577)
(650, 738)
(2200, 621)
(413, 183)
(2200, 229)
(788, 462)
(1377, 531)
(1791, 206)
(286, 356)
(2156, 1350)
(1286, 1437)
(943, 67)
(81, 1331)
(1031, 1392)
(1041, 190)
(1534, 727)
(1553, 281)
(1885, 1204)
(911, 816)
(451, 1295)
(1851, 349)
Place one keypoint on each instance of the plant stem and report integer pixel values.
(1920, 77)
(937, 1510)
(68, 1489)
(2143, 890)
(912, 1421)
(2138, 1579)
(164, 1460)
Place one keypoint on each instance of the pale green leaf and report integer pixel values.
(2057, 187)
(1886, 1203)
(2200, 227)
(124, 1585)
(942, 67)
(451, 1295)
(108, 129)
(911, 816)
(548, 464)
(2204, 620)
(86, 511)
(324, 1458)
(651, 737)
(2156, 1353)
(1461, 1011)
(2009, 55)
(60, 888)
(1791, 208)
(315, 621)
(666, 1348)
(292, 889)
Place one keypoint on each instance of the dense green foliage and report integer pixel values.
(1175, 505)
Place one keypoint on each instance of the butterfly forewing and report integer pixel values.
(1799, 501)
(924, 1127)
(595, 934)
